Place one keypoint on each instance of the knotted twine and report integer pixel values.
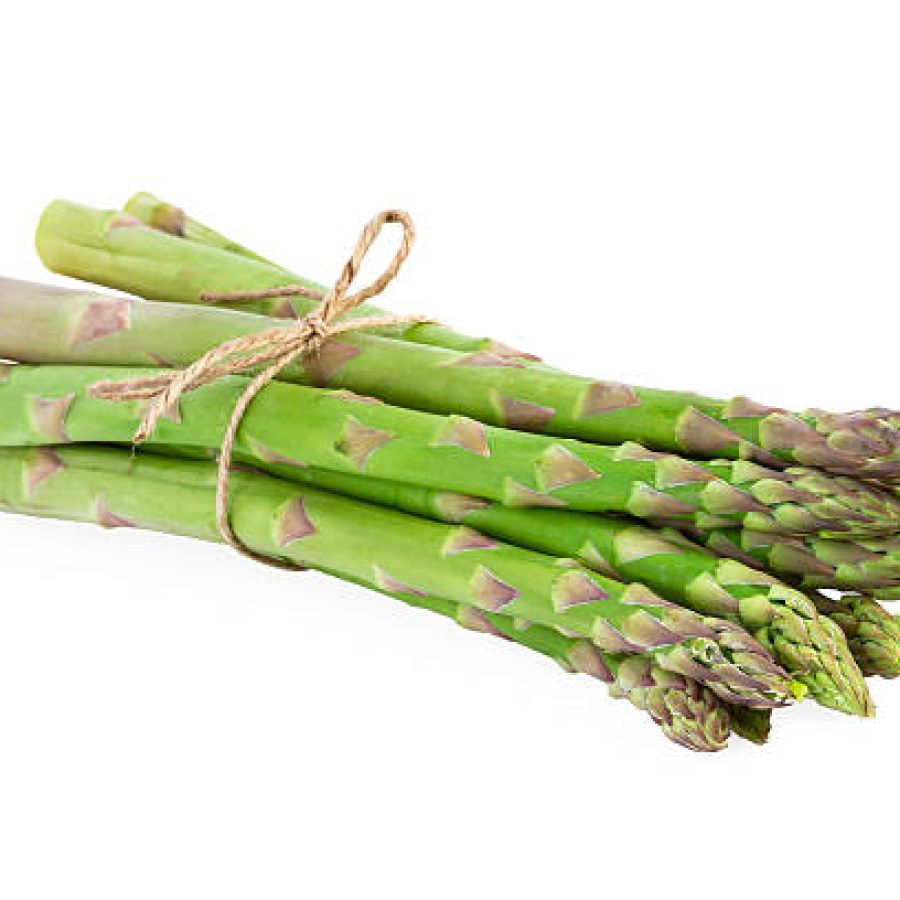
(275, 349)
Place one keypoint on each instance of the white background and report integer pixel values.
(698, 195)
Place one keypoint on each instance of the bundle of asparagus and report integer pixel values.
(674, 546)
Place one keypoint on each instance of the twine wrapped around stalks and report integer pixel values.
(273, 349)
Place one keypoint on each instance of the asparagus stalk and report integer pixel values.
(463, 565)
(810, 647)
(115, 488)
(164, 216)
(873, 634)
(114, 249)
(863, 564)
(753, 725)
(859, 443)
(815, 654)
(76, 235)
(687, 713)
(347, 432)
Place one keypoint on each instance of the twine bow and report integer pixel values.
(275, 348)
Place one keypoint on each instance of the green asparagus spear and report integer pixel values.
(114, 249)
(395, 553)
(863, 564)
(77, 236)
(872, 632)
(496, 577)
(753, 725)
(865, 442)
(41, 323)
(810, 647)
(40, 309)
(346, 432)
(688, 713)
(157, 213)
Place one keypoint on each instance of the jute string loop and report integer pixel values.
(275, 349)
